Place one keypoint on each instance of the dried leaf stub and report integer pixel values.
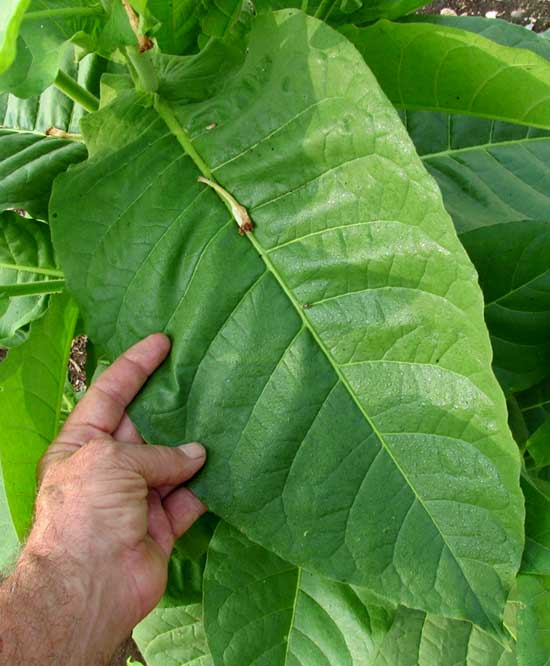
(239, 212)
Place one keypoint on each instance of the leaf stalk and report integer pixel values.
(76, 92)
(63, 12)
(31, 288)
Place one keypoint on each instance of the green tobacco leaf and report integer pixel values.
(173, 635)
(260, 609)
(422, 66)
(29, 162)
(533, 645)
(180, 25)
(497, 30)
(173, 632)
(538, 445)
(9, 544)
(31, 390)
(186, 565)
(496, 185)
(47, 33)
(359, 331)
(536, 558)
(372, 10)
(53, 108)
(26, 259)
(534, 404)
(512, 261)
(11, 15)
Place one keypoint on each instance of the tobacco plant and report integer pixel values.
(339, 212)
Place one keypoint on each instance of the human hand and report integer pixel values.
(109, 506)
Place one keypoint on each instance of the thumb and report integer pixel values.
(163, 465)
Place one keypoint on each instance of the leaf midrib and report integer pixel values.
(483, 146)
(175, 127)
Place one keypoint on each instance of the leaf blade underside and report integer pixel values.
(383, 390)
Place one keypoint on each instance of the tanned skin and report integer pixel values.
(108, 511)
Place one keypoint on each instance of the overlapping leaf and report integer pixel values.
(48, 32)
(26, 259)
(495, 182)
(32, 379)
(537, 526)
(30, 160)
(358, 333)
(497, 30)
(421, 66)
(533, 594)
(261, 610)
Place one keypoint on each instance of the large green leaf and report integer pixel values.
(31, 389)
(495, 182)
(11, 15)
(348, 365)
(261, 610)
(26, 257)
(423, 66)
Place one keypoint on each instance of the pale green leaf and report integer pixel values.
(261, 610)
(26, 259)
(173, 636)
(359, 331)
(11, 15)
(422, 66)
(31, 389)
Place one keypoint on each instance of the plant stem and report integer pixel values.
(166, 113)
(54, 272)
(63, 12)
(29, 288)
(325, 9)
(76, 92)
(144, 68)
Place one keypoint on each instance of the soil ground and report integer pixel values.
(534, 14)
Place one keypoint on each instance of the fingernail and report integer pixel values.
(193, 450)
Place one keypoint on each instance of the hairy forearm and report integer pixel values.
(46, 618)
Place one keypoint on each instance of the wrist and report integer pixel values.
(50, 613)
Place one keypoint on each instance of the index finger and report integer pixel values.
(106, 400)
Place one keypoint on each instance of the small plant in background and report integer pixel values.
(340, 213)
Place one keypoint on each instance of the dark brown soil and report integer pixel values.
(77, 363)
(534, 14)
